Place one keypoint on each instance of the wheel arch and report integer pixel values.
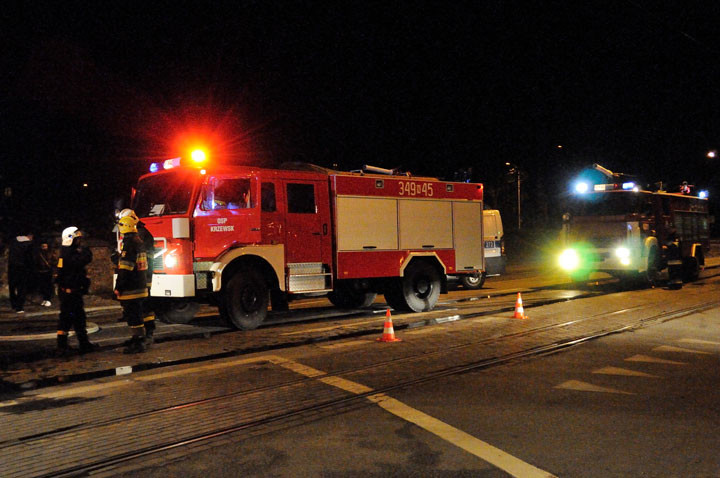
(430, 258)
(267, 260)
(649, 243)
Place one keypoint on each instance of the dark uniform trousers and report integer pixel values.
(72, 315)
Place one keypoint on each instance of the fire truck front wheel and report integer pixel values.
(417, 291)
(177, 311)
(246, 298)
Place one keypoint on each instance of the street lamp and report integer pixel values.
(515, 170)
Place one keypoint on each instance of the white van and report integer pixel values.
(494, 243)
(494, 250)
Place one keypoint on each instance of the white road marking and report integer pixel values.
(648, 359)
(623, 371)
(483, 450)
(496, 457)
(670, 348)
(589, 387)
(698, 341)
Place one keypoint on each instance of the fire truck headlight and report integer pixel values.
(623, 253)
(569, 259)
(170, 261)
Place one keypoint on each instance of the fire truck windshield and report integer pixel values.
(615, 203)
(164, 194)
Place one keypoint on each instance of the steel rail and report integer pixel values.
(539, 350)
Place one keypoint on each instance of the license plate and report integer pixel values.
(489, 244)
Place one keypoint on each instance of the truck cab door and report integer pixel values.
(227, 215)
(307, 223)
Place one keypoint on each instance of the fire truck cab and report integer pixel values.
(243, 238)
(630, 233)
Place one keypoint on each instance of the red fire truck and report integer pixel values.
(244, 238)
(619, 229)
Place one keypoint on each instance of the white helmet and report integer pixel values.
(69, 234)
(128, 212)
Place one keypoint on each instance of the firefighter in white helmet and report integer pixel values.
(148, 315)
(72, 282)
(131, 284)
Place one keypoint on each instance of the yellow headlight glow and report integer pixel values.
(569, 259)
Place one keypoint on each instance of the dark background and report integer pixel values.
(92, 92)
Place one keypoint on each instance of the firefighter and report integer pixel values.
(131, 284)
(73, 283)
(674, 261)
(149, 245)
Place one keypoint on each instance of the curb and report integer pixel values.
(91, 329)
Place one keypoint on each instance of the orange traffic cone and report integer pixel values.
(519, 311)
(388, 331)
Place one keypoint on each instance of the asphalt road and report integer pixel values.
(487, 395)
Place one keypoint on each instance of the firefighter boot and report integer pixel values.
(137, 341)
(149, 332)
(85, 345)
(63, 349)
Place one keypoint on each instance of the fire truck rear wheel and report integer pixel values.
(246, 300)
(346, 297)
(418, 291)
(473, 281)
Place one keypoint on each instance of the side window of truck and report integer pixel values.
(301, 198)
(267, 197)
(227, 194)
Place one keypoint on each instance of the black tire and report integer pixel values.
(345, 296)
(393, 294)
(690, 269)
(176, 311)
(473, 281)
(651, 275)
(418, 290)
(245, 300)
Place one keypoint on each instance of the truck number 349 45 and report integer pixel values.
(409, 188)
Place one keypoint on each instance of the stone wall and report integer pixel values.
(100, 271)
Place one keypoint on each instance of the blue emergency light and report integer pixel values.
(167, 164)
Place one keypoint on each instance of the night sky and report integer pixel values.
(92, 92)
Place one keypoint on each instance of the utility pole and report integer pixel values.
(515, 169)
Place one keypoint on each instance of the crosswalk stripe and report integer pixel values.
(698, 341)
(589, 387)
(670, 348)
(648, 359)
(623, 371)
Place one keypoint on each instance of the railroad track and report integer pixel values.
(311, 397)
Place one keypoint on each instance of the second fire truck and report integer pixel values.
(244, 238)
(619, 229)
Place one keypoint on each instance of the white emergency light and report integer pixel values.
(581, 187)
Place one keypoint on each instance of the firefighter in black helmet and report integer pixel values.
(148, 315)
(131, 283)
